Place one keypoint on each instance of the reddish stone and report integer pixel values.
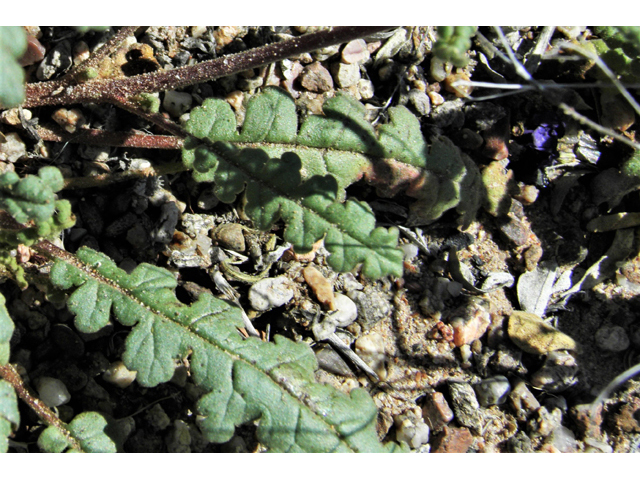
(586, 425)
(452, 440)
(627, 419)
(436, 411)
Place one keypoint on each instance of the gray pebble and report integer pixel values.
(52, 391)
(557, 374)
(492, 391)
(372, 306)
(157, 418)
(392, 46)
(520, 443)
(420, 102)
(465, 405)
(270, 293)
(169, 217)
(612, 339)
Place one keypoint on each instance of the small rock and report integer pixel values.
(612, 339)
(520, 443)
(372, 306)
(346, 74)
(177, 103)
(557, 374)
(346, 311)
(420, 102)
(459, 91)
(436, 411)
(13, 148)
(119, 375)
(465, 405)
(70, 120)
(469, 323)
(452, 440)
(543, 422)
(331, 361)
(56, 61)
(35, 52)
(531, 334)
(179, 438)
(392, 46)
(371, 349)
(52, 391)
(627, 419)
(270, 293)
(316, 78)
(522, 400)
(80, 52)
(157, 418)
(231, 236)
(365, 88)
(355, 52)
(411, 429)
(12, 117)
(594, 446)
(321, 287)
(588, 426)
(493, 390)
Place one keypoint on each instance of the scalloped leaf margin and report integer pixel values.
(246, 379)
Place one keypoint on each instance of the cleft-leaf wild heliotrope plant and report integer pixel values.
(286, 172)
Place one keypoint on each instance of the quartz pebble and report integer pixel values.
(12, 148)
(52, 391)
(346, 74)
(469, 324)
(119, 375)
(370, 348)
(355, 52)
(270, 293)
(411, 429)
(346, 311)
(177, 103)
(420, 102)
(493, 390)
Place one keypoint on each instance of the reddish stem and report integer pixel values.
(109, 90)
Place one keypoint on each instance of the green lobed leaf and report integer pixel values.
(87, 428)
(9, 415)
(245, 379)
(13, 44)
(6, 331)
(340, 143)
(33, 198)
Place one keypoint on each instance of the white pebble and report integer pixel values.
(177, 103)
(13, 148)
(411, 430)
(52, 391)
(346, 311)
(270, 293)
(119, 375)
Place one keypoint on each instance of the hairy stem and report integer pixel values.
(11, 375)
(114, 90)
(91, 136)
